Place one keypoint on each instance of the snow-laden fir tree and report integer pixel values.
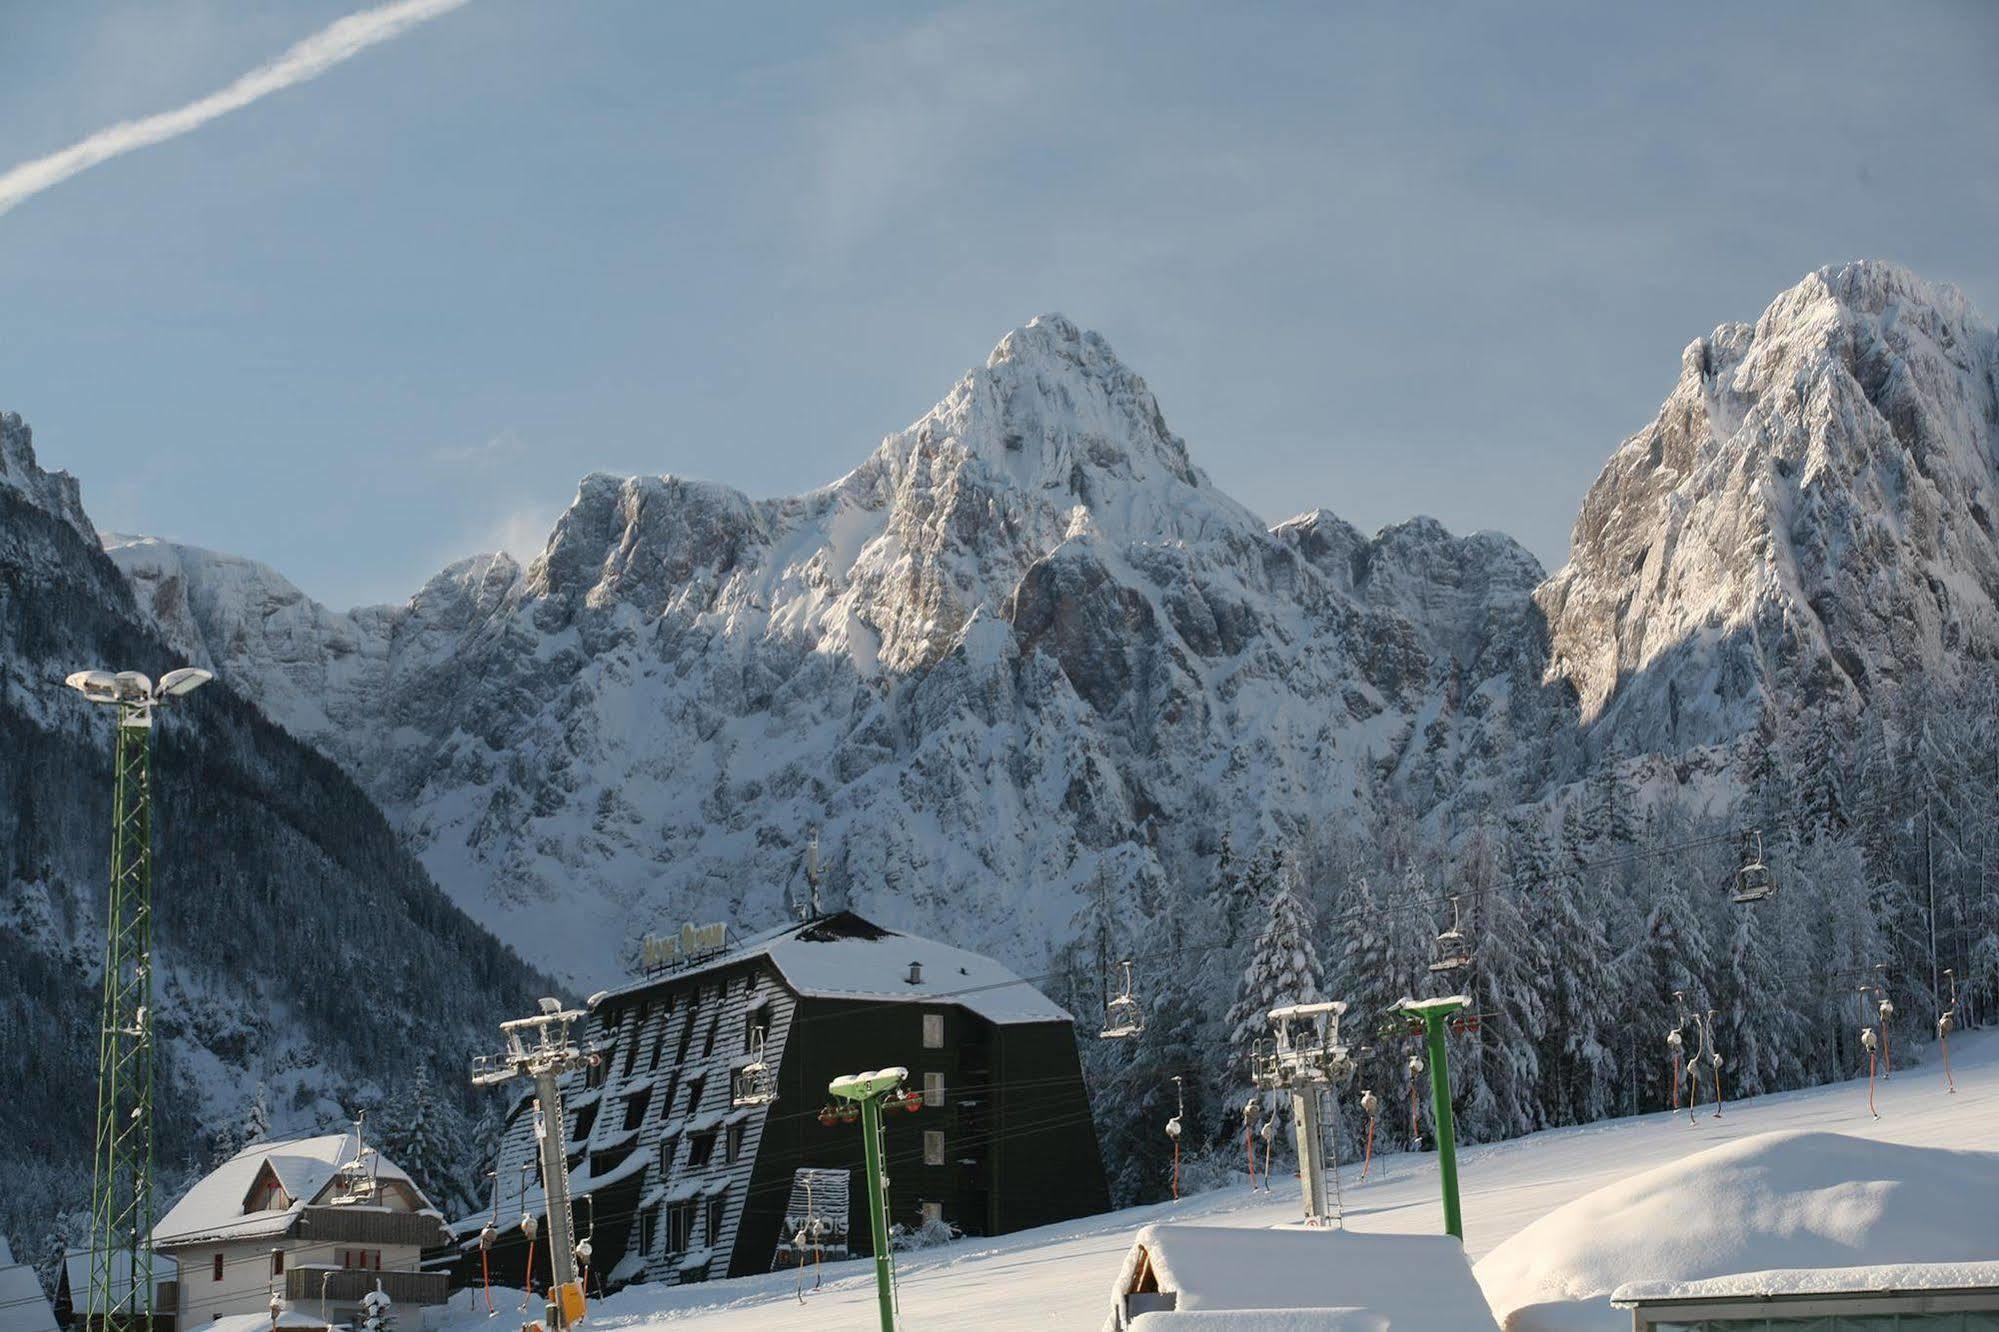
(1283, 969)
(1581, 986)
(424, 1135)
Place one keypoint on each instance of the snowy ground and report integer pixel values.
(1060, 1276)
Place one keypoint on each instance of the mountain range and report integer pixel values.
(1027, 645)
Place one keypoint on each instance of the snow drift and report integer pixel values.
(1773, 1201)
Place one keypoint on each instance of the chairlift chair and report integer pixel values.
(1752, 880)
(753, 1081)
(1122, 1016)
(1453, 950)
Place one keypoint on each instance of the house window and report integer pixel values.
(933, 1089)
(635, 1107)
(218, 1268)
(277, 1262)
(717, 1213)
(732, 1143)
(933, 1031)
(700, 1150)
(933, 1212)
(361, 1260)
(933, 1147)
(679, 1227)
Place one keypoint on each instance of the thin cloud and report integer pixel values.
(305, 61)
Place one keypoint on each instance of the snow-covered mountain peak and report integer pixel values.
(1816, 493)
(54, 492)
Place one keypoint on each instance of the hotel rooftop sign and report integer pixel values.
(663, 952)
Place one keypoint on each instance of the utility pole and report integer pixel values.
(121, 1193)
(1307, 1060)
(539, 1048)
(1433, 1013)
(868, 1091)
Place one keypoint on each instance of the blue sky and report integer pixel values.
(1386, 259)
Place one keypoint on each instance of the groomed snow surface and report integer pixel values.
(1805, 1198)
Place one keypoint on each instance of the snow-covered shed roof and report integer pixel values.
(1297, 1279)
(23, 1307)
(1878, 1278)
(213, 1209)
(843, 956)
(1769, 1207)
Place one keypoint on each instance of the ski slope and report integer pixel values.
(1060, 1276)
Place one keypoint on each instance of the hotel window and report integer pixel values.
(708, 1045)
(635, 1108)
(586, 1119)
(700, 1150)
(687, 1031)
(648, 1229)
(717, 1210)
(933, 1089)
(694, 1086)
(632, 1045)
(933, 1031)
(758, 1016)
(659, 1037)
(679, 1227)
(933, 1147)
(732, 1143)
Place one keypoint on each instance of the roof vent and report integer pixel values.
(916, 973)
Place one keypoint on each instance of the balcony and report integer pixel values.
(372, 1226)
(347, 1286)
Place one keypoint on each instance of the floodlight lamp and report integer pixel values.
(97, 686)
(134, 687)
(185, 680)
(550, 1006)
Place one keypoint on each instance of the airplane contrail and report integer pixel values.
(306, 60)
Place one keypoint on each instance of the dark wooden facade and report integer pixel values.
(654, 1132)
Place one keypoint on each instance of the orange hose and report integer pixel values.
(1717, 1089)
(1949, 1081)
(1870, 1086)
(1676, 1081)
(1249, 1149)
(1415, 1131)
(1887, 1054)
(1176, 1170)
(486, 1276)
(1368, 1159)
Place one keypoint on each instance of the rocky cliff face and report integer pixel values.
(1024, 640)
(1811, 514)
(304, 954)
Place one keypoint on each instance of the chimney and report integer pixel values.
(916, 973)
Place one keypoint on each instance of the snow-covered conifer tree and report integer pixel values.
(1283, 969)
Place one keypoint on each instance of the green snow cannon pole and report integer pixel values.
(868, 1089)
(1433, 1013)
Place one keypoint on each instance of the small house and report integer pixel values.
(319, 1222)
(23, 1306)
(72, 1300)
(1890, 1297)
(1184, 1278)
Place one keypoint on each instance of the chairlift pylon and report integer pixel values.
(1752, 878)
(1122, 1017)
(1453, 953)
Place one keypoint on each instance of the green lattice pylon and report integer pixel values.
(121, 1200)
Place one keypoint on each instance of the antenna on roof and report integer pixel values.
(812, 877)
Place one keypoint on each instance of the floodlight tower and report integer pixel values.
(539, 1048)
(121, 1190)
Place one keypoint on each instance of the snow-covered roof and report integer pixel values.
(76, 1273)
(213, 1209)
(1741, 1211)
(23, 1307)
(1301, 1279)
(842, 956)
(1882, 1278)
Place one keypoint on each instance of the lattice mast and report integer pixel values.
(121, 1192)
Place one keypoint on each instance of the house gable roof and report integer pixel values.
(212, 1210)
